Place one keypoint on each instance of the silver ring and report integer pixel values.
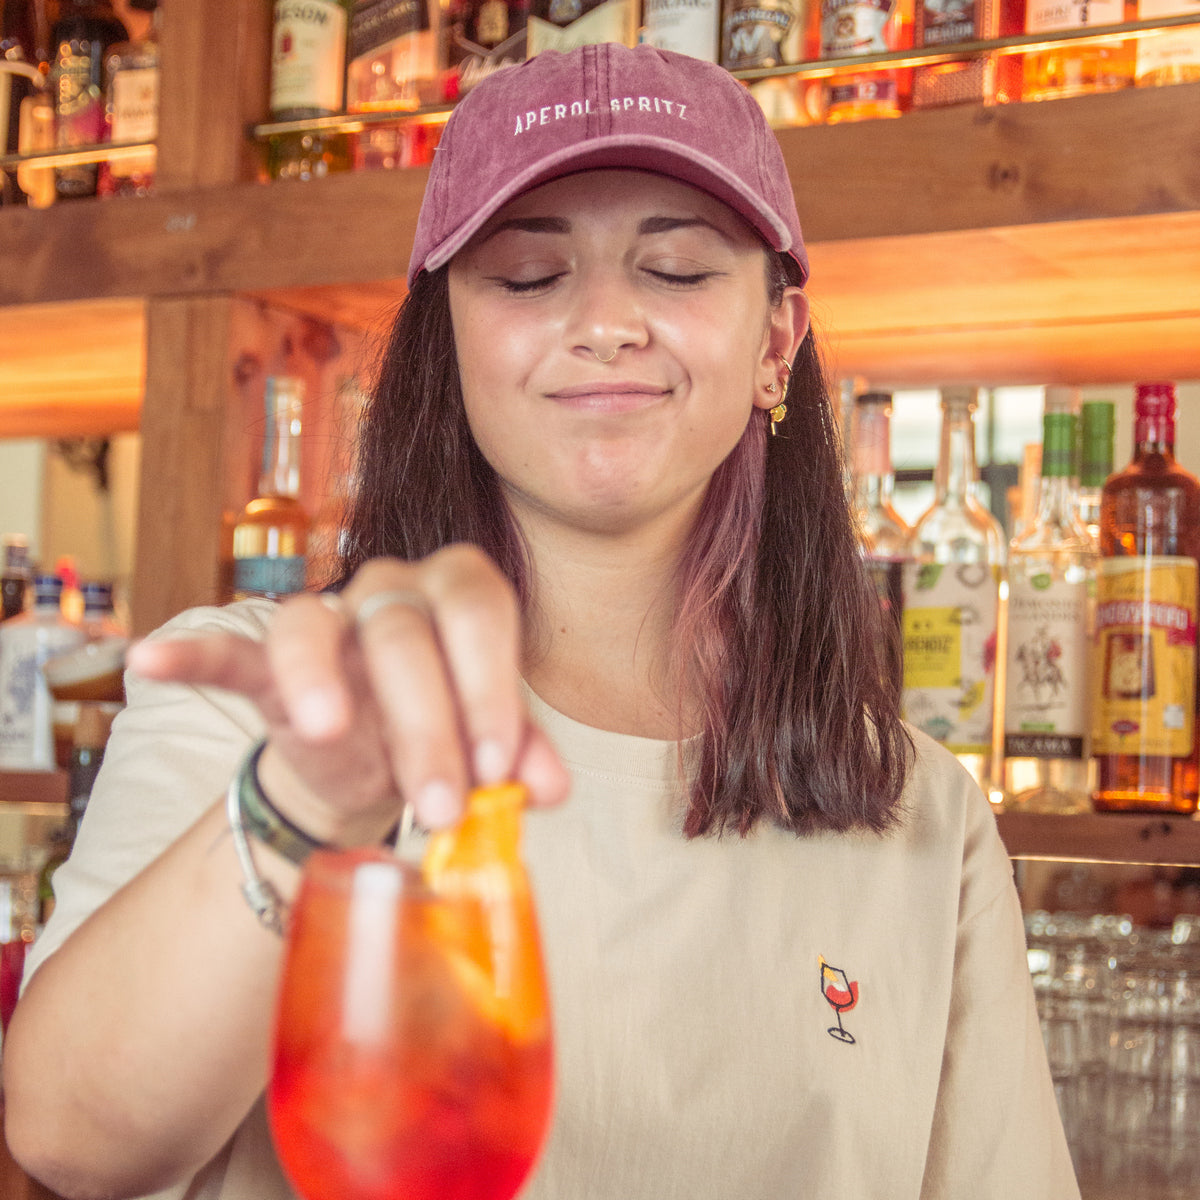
(378, 601)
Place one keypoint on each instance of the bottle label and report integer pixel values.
(945, 22)
(866, 89)
(135, 105)
(1048, 16)
(1045, 712)
(950, 618)
(79, 105)
(486, 37)
(569, 26)
(851, 27)
(766, 34)
(308, 53)
(1173, 54)
(685, 26)
(264, 575)
(1146, 656)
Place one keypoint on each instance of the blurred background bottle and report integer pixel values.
(82, 36)
(1144, 736)
(853, 27)
(883, 534)
(1047, 682)
(951, 604)
(131, 72)
(270, 539)
(16, 83)
(308, 80)
(772, 34)
(565, 24)
(481, 37)
(1170, 57)
(1072, 70)
(1097, 424)
(14, 576)
(977, 79)
(26, 708)
(685, 26)
(395, 63)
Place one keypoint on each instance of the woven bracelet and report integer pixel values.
(264, 821)
(261, 895)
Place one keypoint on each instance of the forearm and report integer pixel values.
(140, 1045)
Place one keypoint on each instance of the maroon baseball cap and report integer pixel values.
(604, 105)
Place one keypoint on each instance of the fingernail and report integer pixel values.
(491, 762)
(438, 805)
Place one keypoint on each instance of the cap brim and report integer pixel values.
(662, 156)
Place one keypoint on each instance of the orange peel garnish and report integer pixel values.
(489, 933)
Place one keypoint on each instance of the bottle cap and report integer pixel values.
(97, 598)
(16, 555)
(1062, 399)
(960, 397)
(1058, 445)
(1154, 400)
(1096, 426)
(47, 589)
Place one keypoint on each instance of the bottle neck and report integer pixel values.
(955, 478)
(1154, 435)
(281, 456)
(874, 478)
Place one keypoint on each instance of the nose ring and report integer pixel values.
(608, 359)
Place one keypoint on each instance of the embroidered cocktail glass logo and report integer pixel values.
(841, 994)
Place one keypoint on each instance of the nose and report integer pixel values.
(605, 315)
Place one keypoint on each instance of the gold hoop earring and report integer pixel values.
(777, 415)
(787, 366)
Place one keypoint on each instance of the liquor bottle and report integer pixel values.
(565, 24)
(308, 80)
(26, 710)
(17, 81)
(270, 539)
(852, 27)
(482, 36)
(882, 532)
(951, 603)
(1070, 70)
(685, 26)
(1096, 426)
(82, 35)
(770, 34)
(394, 63)
(1169, 57)
(1144, 735)
(131, 103)
(1051, 566)
(87, 755)
(982, 79)
(14, 577)
(99, 615)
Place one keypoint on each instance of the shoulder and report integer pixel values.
(249, 618)
(945, 809)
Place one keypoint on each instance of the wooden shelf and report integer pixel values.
(1025, 243)
(1102, 837)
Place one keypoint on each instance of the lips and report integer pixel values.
(609, 395)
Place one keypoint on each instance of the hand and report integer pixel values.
(406, 685)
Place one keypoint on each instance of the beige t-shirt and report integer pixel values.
(693, 1048)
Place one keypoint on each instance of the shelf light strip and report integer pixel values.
(78, 156)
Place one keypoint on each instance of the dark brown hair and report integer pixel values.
(778, 630)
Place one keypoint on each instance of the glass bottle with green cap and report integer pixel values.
(1097, 422)
(1051, 566)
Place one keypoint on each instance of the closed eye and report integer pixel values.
(674, 279)
(521, 287)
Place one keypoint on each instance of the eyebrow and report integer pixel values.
(561, 225)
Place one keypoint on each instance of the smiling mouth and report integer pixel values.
(609, 396)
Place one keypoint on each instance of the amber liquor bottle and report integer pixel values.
(1144, 735)
(270, 539)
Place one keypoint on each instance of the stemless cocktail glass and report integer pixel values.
(412, 1056)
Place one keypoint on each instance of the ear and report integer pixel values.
(786, 328)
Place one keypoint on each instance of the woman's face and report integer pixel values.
(664, 278)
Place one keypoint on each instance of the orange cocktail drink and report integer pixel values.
(412, 1053)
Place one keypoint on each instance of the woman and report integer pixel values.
(580, 558)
